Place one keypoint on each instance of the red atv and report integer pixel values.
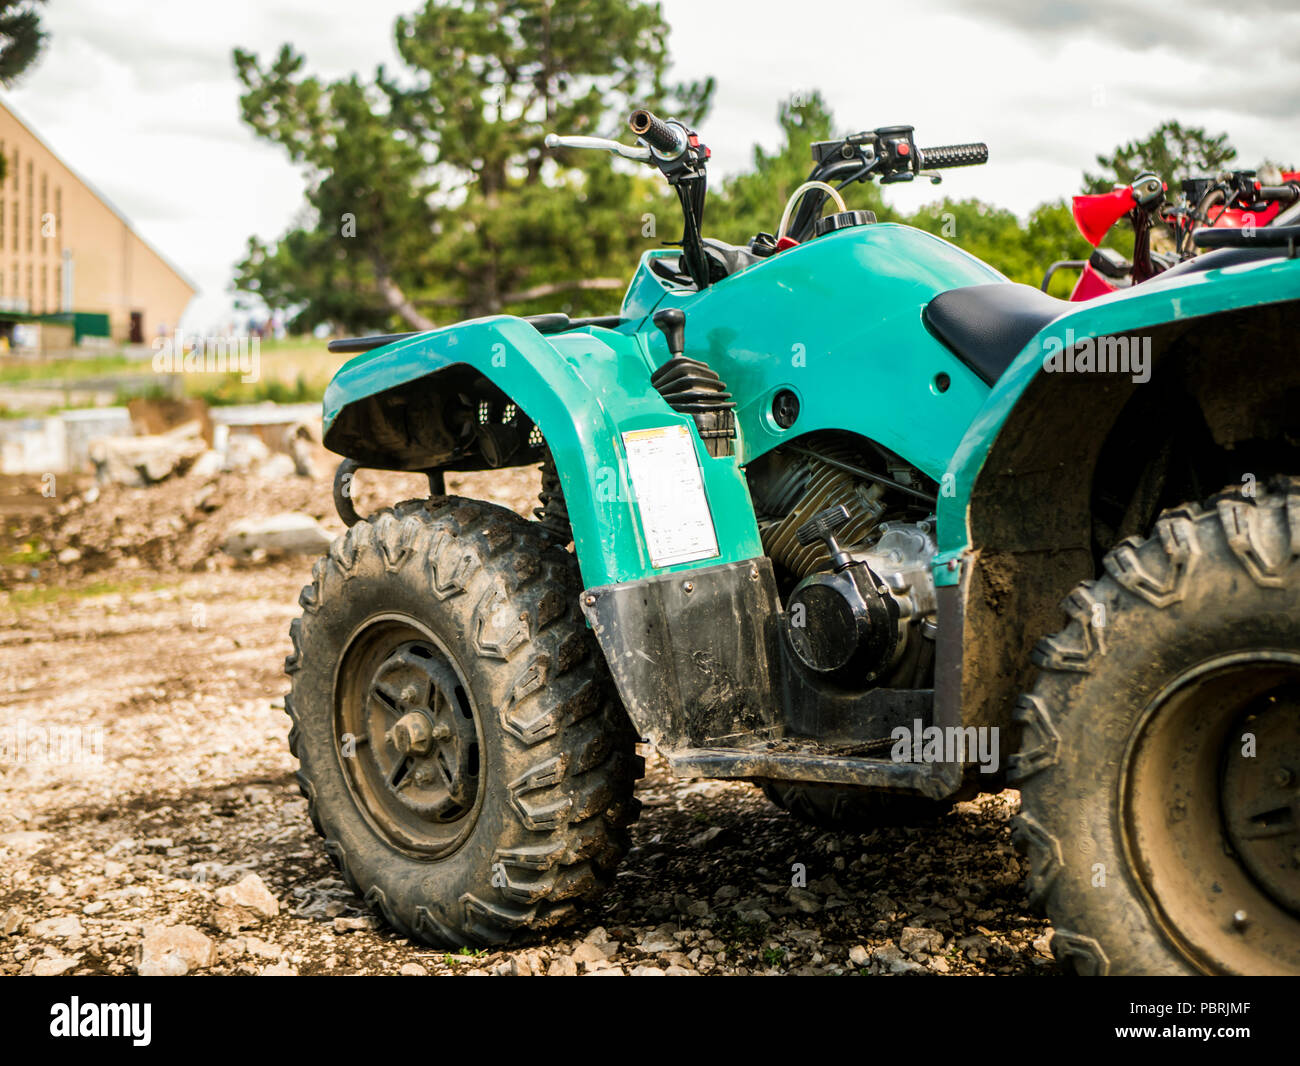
(1238, 200)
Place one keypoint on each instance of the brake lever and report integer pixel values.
(638, 153)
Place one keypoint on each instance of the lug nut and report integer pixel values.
(412, 734)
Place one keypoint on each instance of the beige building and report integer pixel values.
(63, 247)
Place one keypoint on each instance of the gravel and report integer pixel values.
(179, 842)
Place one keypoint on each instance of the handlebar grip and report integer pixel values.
(656, 133)
(1255, 237)
(1287, 194)
(954, 155)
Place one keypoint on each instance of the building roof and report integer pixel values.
(7, 106)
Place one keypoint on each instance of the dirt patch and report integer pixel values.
(163, 660)
(178, 525)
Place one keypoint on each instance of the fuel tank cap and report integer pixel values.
(843, 220)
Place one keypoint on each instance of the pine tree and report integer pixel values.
(21, 38)
(456, 204)
(21, 43)
(1171, 151)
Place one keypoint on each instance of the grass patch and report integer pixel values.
(35, 597)
(293, 370)
(30, 554)
(229, 390)
(66, 371)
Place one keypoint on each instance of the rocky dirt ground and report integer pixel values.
(178, 841)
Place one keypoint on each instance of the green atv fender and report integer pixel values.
(1152, 308)
(583, 389)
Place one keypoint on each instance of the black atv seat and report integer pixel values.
(987, 325)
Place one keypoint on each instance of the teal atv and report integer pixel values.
(810, 510)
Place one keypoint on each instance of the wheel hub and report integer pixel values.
(1261, 803)
(428, 755)
(408, 737)
(413, 734)
(1209, 802)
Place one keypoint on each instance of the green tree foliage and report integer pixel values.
(364, 242)
(21, 38)
(1171, 150)
(458, 209)
(21, 43)
(431, 196)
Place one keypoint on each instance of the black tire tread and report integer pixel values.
(567, 724)
(1229, 541)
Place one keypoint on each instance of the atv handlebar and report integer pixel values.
(954, 155)
(667, 139)
(1286, 194)
(1287, 237)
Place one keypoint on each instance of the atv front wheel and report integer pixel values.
(1161, 750)
(461, 747)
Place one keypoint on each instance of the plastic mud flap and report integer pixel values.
(695, 653)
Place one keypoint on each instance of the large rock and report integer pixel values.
(278, 467)
(175, 950)
(25, 841)
(61, 928)
(244, 451)
(562, 966)
(282, 534)
(247, 902)
(54, 966)
(919, 942)
(138, 461)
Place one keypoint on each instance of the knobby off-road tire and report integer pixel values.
(1161, 745)
(462, 750)
(852, 809)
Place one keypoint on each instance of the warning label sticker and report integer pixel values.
(669, 493)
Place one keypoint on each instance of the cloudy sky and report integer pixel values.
(140, 99)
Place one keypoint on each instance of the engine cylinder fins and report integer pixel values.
(808, 487)
(694, 388)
